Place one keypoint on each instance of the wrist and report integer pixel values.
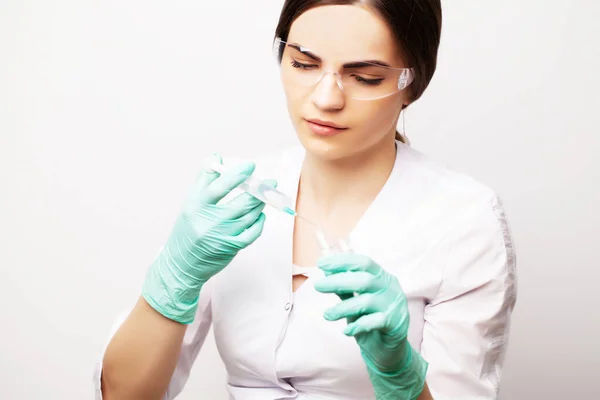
(168, 295)
(406, 382)
(394, 355)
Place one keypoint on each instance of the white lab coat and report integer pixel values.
(443, 235)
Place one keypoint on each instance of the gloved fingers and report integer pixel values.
(366, 323)
(225, 183)
(237, 226)
(244, 203)
(239, 206)
(249, 236)
(203, 180)
(343, 262)
(353, 307)
(349, 282)
(207, 175)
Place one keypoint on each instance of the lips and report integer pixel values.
(325, 123)
(324, 128)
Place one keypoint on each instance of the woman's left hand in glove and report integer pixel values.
(376, 309)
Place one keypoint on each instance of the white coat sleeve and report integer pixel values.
(467, 323)
(192, 342)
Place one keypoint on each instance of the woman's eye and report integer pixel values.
(300, 65)
(366, 81)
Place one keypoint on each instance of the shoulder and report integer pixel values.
(473, 217)
(456, 197)
(453, 212)
(440, 176)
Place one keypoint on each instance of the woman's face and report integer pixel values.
(340, 36)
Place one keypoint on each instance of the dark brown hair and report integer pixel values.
(416, 25)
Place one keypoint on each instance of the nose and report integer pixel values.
(328, 94)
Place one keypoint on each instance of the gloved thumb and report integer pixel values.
(208, 173)
(206, 176)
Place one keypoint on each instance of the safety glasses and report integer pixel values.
(362, 80)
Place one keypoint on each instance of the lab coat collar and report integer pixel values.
(380, 216)
(375, 228)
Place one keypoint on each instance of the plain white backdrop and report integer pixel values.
(107, 109)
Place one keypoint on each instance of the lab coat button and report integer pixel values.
(288, 306)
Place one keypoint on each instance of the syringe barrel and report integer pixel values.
(261, 191)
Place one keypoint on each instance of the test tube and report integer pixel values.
(331, 245)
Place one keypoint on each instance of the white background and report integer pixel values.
(107, 109)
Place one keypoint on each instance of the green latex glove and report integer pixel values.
(205, 239)
(376, 310)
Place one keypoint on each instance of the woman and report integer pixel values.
(429, 245)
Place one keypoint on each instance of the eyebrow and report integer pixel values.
(349, 65)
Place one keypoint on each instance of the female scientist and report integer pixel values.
(428, 245)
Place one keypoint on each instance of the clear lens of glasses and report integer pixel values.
(360, 80)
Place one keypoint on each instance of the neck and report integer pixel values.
(356, 179)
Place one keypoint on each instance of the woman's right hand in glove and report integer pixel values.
(205, 239)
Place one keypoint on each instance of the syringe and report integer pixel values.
(262, 191)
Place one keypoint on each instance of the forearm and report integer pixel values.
(425, 394)
(394, 391)
(400, 395)
(141, 357)
(406, 382)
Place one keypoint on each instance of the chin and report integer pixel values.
(327, 148)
